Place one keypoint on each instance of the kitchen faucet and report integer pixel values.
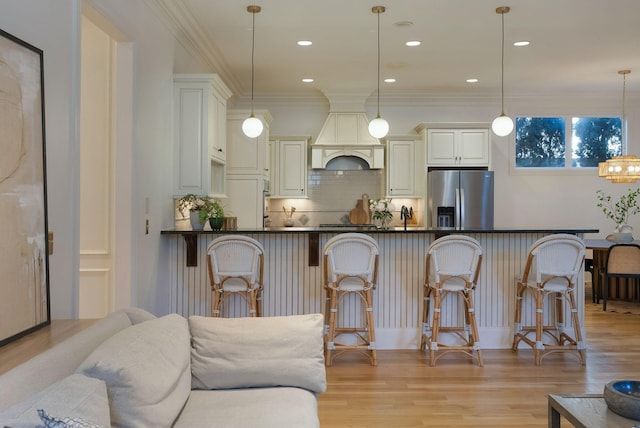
(406, 213)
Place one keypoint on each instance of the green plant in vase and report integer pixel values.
(215, 213)
(620, 210)
(195, 205)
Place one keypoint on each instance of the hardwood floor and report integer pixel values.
(403, 391)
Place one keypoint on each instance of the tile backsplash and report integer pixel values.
(332, 195)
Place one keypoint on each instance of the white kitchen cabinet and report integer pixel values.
(289, 167)
(401, 168)
(246, 200)
(457, 147)
(200, 110)
(247, 155)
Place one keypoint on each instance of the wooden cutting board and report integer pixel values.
(358, 215)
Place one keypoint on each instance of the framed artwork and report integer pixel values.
(24, 246)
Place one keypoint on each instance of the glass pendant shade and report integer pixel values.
(252, 127)
(378, 127)
(502, 125)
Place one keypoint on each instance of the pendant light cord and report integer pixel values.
(378, 115)
(253, 46)
(502, 67)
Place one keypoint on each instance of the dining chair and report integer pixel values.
(623, 262)
(553, 265)
(452, 268)
(236, 265)
(350, 267)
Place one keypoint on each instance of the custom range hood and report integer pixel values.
(345, 136)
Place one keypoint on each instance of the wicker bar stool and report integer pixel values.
(236, 265)
(452, 268)
(552, 268)
(350, 268)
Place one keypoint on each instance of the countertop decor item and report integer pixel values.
(623, 397)
(194, 205)
(201, 208)
(382, 212)
(288, 216)
(619, 212)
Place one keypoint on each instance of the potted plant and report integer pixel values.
(215, 213)
(195, 205)
(382, 212)
(620, 211)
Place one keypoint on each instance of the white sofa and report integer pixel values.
(132, 369)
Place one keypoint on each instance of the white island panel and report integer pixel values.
(293, 287)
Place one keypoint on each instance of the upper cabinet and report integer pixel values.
(247, 155)
(404, 168)
(289, 167)
(200, 111)
(457, 146)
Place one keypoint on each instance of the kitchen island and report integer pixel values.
(293, 277)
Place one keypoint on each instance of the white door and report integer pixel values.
(96, 165)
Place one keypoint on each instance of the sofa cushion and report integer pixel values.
(75, 396)
(258, 352)
(62, 360)
(147, 371)
(250, 408)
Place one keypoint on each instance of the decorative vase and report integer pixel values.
(216, 223)
(194, 218)
(623, 233)
(383, 223)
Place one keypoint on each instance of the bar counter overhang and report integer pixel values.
(293, 277)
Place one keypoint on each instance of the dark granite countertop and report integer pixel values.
(414, 229)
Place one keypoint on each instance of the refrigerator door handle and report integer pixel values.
(459, 208)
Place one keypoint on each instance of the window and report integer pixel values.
(541, 141)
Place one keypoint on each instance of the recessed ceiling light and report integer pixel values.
(307, 80)
(413, 43)
(472, 80)
(390, 80)
(304, 43)
(522, 43)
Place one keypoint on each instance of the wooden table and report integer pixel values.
(585, 411)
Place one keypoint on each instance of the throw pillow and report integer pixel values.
(258, 352)
(76, 396)
(52, 422)
(147, 371)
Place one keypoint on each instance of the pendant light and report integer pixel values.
(502, 125)
(621, 169)
(378, 127)
(252, 126)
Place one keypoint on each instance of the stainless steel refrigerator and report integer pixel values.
(460, 199)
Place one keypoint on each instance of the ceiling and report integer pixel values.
(577, 46)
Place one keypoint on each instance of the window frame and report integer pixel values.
(566, 170)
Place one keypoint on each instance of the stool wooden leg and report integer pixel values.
(425, 317)
(215, 312)
(578, 328)
(371, 327)
(252, 303)
(471, 316)
(539, 346)
(435, 327)
(333, 305)
(518, 317)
